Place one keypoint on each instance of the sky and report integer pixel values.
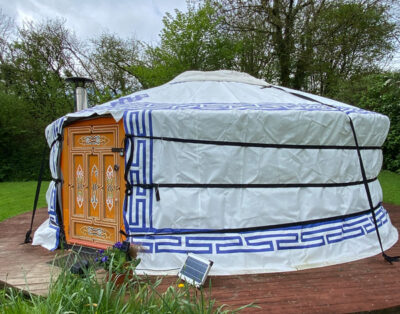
(89, 18)
(141, 19)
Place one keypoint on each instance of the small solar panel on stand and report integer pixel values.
(195, 270)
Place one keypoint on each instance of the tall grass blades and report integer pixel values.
(94, 293)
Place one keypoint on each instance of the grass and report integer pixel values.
(17, 197)
(390, 183)
(70, 293)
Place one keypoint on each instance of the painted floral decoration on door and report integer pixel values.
(79, 186)
(110, 187)
(93, 140)
(96, 232)
(94, 199)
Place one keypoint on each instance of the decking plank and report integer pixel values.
(357, 286)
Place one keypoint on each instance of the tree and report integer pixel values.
(37, 63)
(312, 44)
(14, 135)
(7, 28)
(189, 41)
(382, 94)
(356, 36)
(108, 64)
(33, 93)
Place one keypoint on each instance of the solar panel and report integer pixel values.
(195, 270)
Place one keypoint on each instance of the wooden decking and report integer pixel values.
(364, 285)
(22, 265)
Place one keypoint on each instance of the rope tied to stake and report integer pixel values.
(389, 259)
(59, 138)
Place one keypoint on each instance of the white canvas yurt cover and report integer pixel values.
(255, 177)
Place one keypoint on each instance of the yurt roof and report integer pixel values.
(225, 89)
(199, 97)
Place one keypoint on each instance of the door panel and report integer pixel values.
(87, 139)
(109, 195)
(99, 232)
(78, 187)
(92, 199)
(94, 186)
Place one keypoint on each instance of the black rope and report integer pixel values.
(28, 237)
(253, 229)
(304, 97)
(59, 181)
(243, 186)
(128, 187)
(364, 176)
(244, 144)
(389, 259)
(59, 138)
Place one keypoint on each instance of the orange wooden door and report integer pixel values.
(93, 175)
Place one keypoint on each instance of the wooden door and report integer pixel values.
(93, 176)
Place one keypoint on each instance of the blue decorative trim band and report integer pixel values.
(294, 238)
(131, 103)
(138, 217)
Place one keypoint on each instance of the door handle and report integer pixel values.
(118, 150)
(116, 167)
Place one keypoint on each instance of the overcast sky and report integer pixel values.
(141, 19)
(89, 18)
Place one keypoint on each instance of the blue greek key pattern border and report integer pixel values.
(293, 238)
(135, 103)
(51, 206)
(138, 217)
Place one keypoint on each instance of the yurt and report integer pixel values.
(252, 176)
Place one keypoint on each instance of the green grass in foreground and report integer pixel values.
(390, 183)
(17, 197)
(90, 294)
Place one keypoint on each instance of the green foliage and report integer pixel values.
(332, 48)
(390, 183)
(383, 95)
(90, 294)
(189, 41)
(21, 141)
(35, 64)
(32, 94)
(17, 197)
(15, 140)
(379, 92)
(309, 45)
(353, 37)
(108, 65)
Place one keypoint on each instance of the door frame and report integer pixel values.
(65, 191)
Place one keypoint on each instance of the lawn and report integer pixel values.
(390, 183)
(17, 197)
